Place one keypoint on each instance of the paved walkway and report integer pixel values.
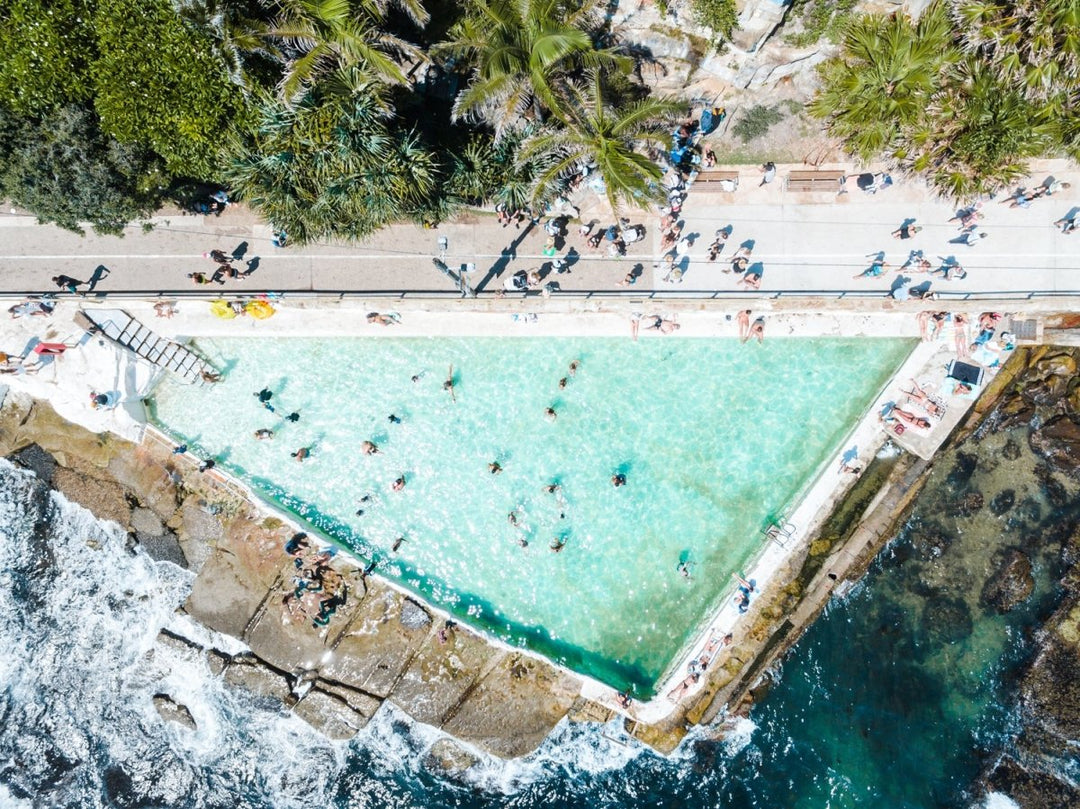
(805, 242)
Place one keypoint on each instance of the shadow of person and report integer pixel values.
(252, 265)
(240, 251)
(100, 271)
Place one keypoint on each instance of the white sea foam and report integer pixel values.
(996, 800)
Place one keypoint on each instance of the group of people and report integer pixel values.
(225, 269)
(318, 590)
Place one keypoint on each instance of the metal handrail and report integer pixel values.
(615, 294)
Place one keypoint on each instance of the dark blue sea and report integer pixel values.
(895, 698)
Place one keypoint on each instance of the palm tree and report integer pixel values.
(880, 84)
(320, 36)
(979, 133)
(329, 166)
(1033, 45)
(241, 40)
(589, 129)
(518, 49)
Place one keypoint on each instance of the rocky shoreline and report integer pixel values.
(1039, 765)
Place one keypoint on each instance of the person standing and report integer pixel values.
(768, 173)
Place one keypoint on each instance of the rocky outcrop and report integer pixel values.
(1058, 441)
(172, 711)
(447, 757)
(1011, 584)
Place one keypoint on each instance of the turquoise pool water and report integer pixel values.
(713, 437)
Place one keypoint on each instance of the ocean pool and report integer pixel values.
(714, 439)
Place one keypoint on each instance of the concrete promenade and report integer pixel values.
(806, 243)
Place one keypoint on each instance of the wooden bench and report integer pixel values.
(717, 181)
(814, 180)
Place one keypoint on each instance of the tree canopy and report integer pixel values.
(966, 94)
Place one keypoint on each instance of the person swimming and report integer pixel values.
(398, 484)
(397, 544)
(369, 448)
(495, 467)
(263, 434)
(558, 544)
(293, 417)
(393, 419)
(300, 454)
(264, 395)
(618, 479)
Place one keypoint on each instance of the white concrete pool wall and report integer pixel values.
(69, 379)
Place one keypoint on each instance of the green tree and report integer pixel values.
(47, 46)
(883, 79)
(162, 83)
(65, 170)
(487, 170)
(518, 50)
(329, 166)
(320, 37)
(1032, 45)
(978, 134)
(592, 128)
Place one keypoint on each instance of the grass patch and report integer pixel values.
(819, 18)
(756, 122)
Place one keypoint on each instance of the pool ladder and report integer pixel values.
(127, 332)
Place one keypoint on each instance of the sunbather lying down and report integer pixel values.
(891, 413)
(931, 404)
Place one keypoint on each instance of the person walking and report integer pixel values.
(768, 173)
(67, 282)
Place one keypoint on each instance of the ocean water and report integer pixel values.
(714, 439)
(892, 699)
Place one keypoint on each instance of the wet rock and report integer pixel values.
(447, 757)
(946, 620)
(965, 506)
(1051, 689)
(1011, 450)
(1028, 510)
(1048, 379)
(178, 642)
(1002, 502)
(1053, 490)
(172, 711)
(163, 548)
(257, 678)
(217, 661)
(962, 470)
(1013, 412)
(931, 541)
(413, 616)
(1032, 788)
(1011, 584)
(1058, 442)
(330, 715)
(37, 460)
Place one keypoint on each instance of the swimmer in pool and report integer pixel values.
(300, 454)
(264, 434)
(618, 479)
(398, 484)
(369, 448)
(495, 467)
